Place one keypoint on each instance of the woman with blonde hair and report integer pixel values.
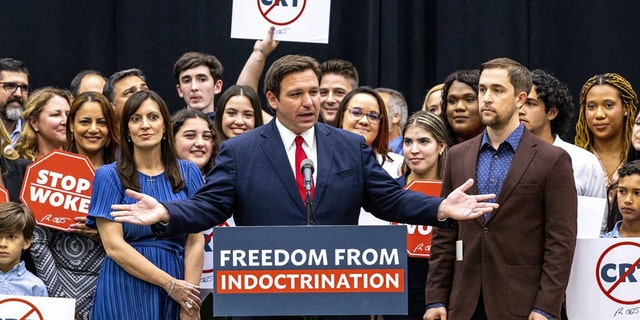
(433, 99)
(608, 107)
(45, 126)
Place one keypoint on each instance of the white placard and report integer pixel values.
(36, 308)
(605, 280)
(591, 212)
(294, 20)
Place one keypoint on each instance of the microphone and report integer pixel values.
(307, 168)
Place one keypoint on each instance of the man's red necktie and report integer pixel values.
(301, 155)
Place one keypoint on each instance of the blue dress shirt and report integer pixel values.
(20, 282)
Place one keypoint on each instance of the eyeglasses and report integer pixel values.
(11, 87)
(357, 114)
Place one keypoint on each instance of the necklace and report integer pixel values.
(608, 177)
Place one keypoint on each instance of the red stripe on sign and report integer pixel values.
(309, 281)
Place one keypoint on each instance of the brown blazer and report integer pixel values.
(521, 257)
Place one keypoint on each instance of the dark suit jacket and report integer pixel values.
(521, 257)
(252, 179)
(12, 175)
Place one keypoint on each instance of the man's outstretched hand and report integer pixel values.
(146, 211)
(461, 206)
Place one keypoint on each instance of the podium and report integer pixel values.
(310, 270)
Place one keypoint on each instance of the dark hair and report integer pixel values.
(127, 168)
(468, 77)
(16, 217)
(236, 90)
(519, 76)
(433, 124)
(285, 66)
(109, 149)
(179, 118)
(625, 170)
(554, 94)
(380, 144)
(191, 60)
(13, 65)
(628, 169)
(343, 68)
(109, 86)
(77, 80)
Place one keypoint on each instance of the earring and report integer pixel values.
(164, 136)
(128, 138)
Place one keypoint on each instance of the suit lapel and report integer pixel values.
(470, 167)
(274, 151)
(325, 150)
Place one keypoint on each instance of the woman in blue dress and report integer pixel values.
(145, 277)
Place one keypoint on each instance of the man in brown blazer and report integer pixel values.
(513, 263)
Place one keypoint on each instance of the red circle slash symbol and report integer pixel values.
(288, 11)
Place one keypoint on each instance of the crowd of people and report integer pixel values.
(163, 179)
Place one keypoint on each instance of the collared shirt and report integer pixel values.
(396, 145)
(15, 134)
(615, 233)
(309, 146)
(493, 164)
(20, 282)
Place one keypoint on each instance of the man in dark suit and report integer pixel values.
(514, 262)
(254, 175)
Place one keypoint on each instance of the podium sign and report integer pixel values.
(310, 270)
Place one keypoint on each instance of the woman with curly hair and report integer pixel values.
(608, 107)
(45, 129)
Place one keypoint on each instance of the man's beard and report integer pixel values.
(12, 113)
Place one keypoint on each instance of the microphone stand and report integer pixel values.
(307, 203)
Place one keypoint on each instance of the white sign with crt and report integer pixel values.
(294, 20)
(605, 280)
(36, 308)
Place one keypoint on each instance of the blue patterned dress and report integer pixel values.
(119, 295)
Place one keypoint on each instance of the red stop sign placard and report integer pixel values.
(419, 237)
(57, 188)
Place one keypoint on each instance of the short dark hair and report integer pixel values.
(554, 94)
(343, 68)
(77, 80)
(191, 60)
(519, 75)
(10, 64)
(628, 169)
(109, 87)
(286, 65)
(16, 217)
